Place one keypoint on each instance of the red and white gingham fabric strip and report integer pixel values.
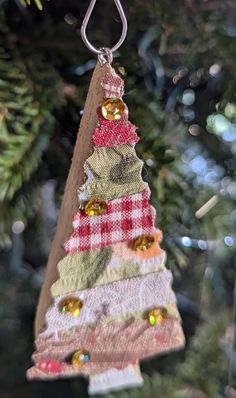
(125, 219)
(113, 85)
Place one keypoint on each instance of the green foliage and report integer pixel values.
(26, 124)
(38, 3)
(24, 206)
(205, 363)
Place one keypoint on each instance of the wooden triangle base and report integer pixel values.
(83, 149)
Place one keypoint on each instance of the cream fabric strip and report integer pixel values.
(170, 307)
(116, 299)
(115, 379)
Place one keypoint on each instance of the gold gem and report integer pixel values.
(113, 108)
(143, 242)
(72, 306)
(95, 208)
(80, 358)
(157, 316)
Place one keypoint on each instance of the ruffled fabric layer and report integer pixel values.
(112, 345)
(120, 177)
(125, 219)
(122, 299)
(99, 267)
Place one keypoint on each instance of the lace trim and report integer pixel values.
(117, 299)
(114, 379)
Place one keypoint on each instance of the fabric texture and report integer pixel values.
(113, 133)
(112, 345)
(125, 219)
(81, 271)
(125, 250)
(66, 370)
(116, 172)
(117, 299)
(95, 268)
(101, 316)
(116, 284)
(83, 195)
(112, 85)
(115, 379)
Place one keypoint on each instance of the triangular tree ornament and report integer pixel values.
(111, 302)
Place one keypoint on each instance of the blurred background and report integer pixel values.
(179, 62)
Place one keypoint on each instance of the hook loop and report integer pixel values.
(104, 54)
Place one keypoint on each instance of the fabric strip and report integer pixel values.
(115, 379)
(116, 173)
(113, 133)
(125, 219)
(99, 267)
(112, 85)
(112, 345)
(116, 299)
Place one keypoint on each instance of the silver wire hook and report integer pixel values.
(85, 23)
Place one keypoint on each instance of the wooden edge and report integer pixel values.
(83, 149)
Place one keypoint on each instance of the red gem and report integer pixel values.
(49, 366)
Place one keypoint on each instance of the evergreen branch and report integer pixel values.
(23, 207)
(26, 123)
(38, 3)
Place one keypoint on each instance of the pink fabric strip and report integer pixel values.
(65, 370)
(117, 299)
(125, 219)
(116, 343)
(150, 258)
(111, 133)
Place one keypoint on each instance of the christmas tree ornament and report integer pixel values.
(107, 300)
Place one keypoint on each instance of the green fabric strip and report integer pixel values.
(84, 270)
(81, 270)
(116, 173)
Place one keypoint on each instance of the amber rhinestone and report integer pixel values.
(143, 242)
(157, 315)
(95, 207)
(80, 358)
(71, 306)
(113, 108)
